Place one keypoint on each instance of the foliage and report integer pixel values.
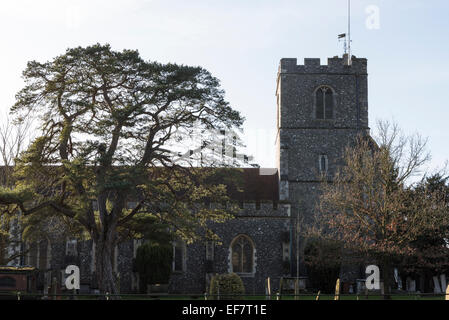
(13, 140)
(154, 264)
(286, 267)
(323, 259)
(430, 254)
(368, 207)
(228, 286)
(112, 128)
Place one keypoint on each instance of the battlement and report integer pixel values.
(313, 65)
(263, 205)
(257, 208)
(264, 208)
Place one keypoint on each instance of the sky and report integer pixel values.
(241, 43)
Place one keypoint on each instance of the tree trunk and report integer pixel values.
(104, 256)
(387, 280)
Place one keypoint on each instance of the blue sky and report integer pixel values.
(241, 43)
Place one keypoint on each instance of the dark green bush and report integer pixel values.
(154, 264)
(323, 262)
(228, 286)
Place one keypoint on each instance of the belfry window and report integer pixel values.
(324, 103)
(323, 163)
(242, 255)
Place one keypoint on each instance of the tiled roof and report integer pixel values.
(255, 184)
(259, 184)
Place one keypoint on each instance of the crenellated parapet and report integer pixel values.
(334, 65)
(259, 208)
(264, 209)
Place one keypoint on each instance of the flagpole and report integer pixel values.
(349, 33)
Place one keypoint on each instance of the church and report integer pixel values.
(321, 108)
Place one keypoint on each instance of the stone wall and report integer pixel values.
(265, 224)
(302, 138)
(59, 260)
(265, 227)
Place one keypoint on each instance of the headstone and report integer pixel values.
(410, 285)
(84, 289)
(436, 285)
(443, 281)
(397, 279)
(360, 286)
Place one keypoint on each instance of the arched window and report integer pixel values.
(242, 255)
(324, 103)
(323, 163)
(179, 256)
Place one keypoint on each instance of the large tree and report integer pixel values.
(367, 207)
(431, 254)
(112, 131)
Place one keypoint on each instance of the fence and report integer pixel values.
(198, 297)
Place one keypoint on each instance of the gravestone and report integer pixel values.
(410, 285)
(361, 285)
(443, 281)
(436, 285)
(397, 279)
(351, 289)
(160, 288)
(302, 283)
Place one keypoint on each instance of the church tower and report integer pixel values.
(320, 109)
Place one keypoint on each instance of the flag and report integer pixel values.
(341, 35)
